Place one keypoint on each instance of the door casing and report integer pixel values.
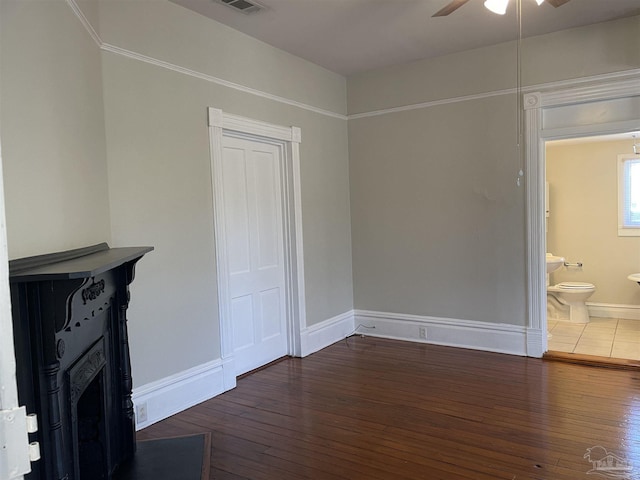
(289, 139)
(553, 115)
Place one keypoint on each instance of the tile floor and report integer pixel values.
(603, 337)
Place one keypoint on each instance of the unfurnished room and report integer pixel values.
(319, 239)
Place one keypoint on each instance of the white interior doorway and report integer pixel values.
(604, 108)
(585, 226)
(258, 232)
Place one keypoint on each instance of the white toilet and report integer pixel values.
(566, 301)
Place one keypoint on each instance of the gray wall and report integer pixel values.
(53, 140)
(136, 135)
(429, 195)
(606, 47)
(166, 31)
(437, 219)
(583, 220)
(160, 180)
(160, 185)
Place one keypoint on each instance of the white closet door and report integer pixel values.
(251, 173)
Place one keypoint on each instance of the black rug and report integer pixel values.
(177, 458)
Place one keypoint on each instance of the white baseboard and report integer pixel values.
(175, 393)
(492, 337)
(609, 310)
(321, 335)
(536, 342)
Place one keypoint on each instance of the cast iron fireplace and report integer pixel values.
(72, 355)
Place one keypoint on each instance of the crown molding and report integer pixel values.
(106, 47)
(619, 87)
(434, 103)
(630, 77)
(219, 81)
(85, 22)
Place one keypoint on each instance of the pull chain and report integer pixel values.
(520, 115)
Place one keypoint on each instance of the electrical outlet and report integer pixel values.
(141, 413)
(422, 333)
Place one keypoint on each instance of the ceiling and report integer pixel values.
(352, 36)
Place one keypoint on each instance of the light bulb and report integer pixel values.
(539, 2)
(497, 6)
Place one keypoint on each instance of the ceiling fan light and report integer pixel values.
(497, 6)
(539, 2)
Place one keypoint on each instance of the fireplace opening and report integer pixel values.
(91, 431)
(89, 413)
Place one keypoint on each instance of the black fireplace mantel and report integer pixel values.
(72, 356)
(79, 263)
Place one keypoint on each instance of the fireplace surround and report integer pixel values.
(72, 356)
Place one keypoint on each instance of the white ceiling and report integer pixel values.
(351, 36)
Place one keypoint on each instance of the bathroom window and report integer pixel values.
(629, 195)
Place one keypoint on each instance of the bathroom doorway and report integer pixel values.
(581, 225)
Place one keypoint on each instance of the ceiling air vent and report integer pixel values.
(244, 6)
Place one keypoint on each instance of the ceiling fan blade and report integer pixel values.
(557, 3)
(452, 7)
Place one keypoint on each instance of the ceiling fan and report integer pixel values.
(496, 6)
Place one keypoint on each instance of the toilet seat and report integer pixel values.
(574, 285)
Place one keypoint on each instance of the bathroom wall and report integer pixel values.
(583, 225)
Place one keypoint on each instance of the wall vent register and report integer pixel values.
(244, 6)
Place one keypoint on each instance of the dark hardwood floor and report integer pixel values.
(370, 408)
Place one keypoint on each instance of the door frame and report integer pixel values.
(15, 444)
(553, 115)
(223, 124)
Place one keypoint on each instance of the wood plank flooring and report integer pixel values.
(371, 408)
